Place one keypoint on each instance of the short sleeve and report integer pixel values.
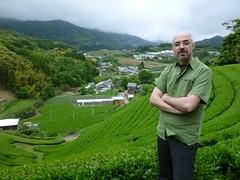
(202, 85)
(161, 82)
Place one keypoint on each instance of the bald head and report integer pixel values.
(182, 46)
(184, 35)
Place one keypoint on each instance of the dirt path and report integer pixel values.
(72, 137)
(5, 95)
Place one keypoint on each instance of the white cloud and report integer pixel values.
(150, 19)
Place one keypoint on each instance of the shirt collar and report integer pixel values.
(193, 64)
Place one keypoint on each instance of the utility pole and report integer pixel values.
(93, 109)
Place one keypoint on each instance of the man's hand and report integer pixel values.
(165, 95)
(157, 101)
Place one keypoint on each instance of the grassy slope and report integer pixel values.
(134, 124)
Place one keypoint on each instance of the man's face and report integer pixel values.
(182, 47)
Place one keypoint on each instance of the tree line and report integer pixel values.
(230, 52)
(34, 68)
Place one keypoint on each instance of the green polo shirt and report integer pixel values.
(197, 78)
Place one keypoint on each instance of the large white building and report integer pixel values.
(118, 100)
(151, 55)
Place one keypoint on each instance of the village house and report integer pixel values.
(9, 124)
(128, 69)
(104, 65)
(131, 89)
(214, 53)
(103, 86)
(73, 90)
(90, 85)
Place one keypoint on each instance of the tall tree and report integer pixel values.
(230, 52)
(145, 76)
(141, 66)
(232, 25)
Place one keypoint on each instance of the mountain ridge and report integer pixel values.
(81, 38)
(84, 39)
(215, 41)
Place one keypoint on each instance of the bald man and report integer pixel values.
(181, 93)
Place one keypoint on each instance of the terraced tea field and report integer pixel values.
(123, 145)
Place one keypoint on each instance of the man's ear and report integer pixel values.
(193, 46)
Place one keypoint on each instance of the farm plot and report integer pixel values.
(61, 117)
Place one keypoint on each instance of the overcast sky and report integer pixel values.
(153, 20)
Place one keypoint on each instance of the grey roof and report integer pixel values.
(132, 85)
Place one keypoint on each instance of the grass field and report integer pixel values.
(60, 117)
(12, 106)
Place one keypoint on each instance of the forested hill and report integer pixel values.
(215, 41)
(81, 38)
(34, 68)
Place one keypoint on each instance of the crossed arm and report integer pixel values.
(180, 105)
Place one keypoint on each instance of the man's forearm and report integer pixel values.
(159, 103)
(183, 104)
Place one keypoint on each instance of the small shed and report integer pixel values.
(9, 124)
(131, 87)
(74, 90)
(118, 100)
